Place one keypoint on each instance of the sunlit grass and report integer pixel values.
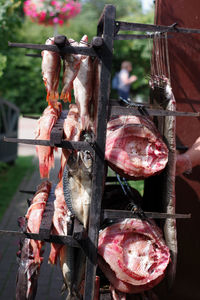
(138, 184)
(10, 179)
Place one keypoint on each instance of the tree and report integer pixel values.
(22, 81)
(9, 22)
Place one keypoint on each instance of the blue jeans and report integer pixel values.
(123, 94)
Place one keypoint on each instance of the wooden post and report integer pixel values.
(98, 169)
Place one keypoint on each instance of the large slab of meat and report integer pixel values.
(133, 255)
(134, 147)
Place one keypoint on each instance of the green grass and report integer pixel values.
(11, 177)
(138, 184)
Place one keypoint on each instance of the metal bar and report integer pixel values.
(153, 28)
(64, 144)
(33, 55)
(64, 50)
(46, 222)
(30, 117)
(27, 192)
(121, 214)
(58, 239)
(57, 130)
(116, 110)
(98, 168)
(134, 36)
(27, 141)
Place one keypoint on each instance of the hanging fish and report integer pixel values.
(30, 255)
(65, 253)
(71, 65)
(51, 64)
(83, 89)
(43, 132)
(77, 179)
(72, 132)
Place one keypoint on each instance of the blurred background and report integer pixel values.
(22, 90)
(20, 76)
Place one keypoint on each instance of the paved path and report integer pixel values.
(26, 130)
(50, 279)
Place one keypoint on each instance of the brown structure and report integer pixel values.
(184, 56)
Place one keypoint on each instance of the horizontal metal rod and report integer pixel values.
(30, 117)
(63, 144)
(58, 239)
(121, 214)
(153, 28)
(27, 192)
(116, 110)
(33, 55)
(64, 50)
(135, 36)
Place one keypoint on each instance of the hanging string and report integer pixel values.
(151, 48)
(167, 57)
(163, 55)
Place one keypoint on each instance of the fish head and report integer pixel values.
(73, 163)
(85, 161)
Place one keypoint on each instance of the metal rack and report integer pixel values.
(101, 47)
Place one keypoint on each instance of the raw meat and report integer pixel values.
(134, 256)
(43, 132)
(83, 89)
(34, 216)
(30, 253)
(51, 64)
(134, 147)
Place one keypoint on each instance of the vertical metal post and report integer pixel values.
(98, 168)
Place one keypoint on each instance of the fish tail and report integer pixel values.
(55, 250)
(44, 170)
(52, 98)
(46, 164)
(85, 122)
(64, 158)
(66, 96)
(47, 98)
(69, 97)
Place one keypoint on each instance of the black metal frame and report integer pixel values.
(101, 47)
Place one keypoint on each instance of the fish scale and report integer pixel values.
(66, 190)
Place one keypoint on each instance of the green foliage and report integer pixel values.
(10, 179)
(3, 60)
(9, 21)
(22, 81)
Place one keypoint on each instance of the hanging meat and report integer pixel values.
(71, 65)
(51, 64)
(83, 89)
(60, 221)
(133, 255)
(134, 147)
(30, 253)
(43, 132)
(71, 132)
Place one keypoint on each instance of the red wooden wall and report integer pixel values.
(184, 55)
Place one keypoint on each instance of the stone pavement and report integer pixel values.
(26, 130)
(50, 279)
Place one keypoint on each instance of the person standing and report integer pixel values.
(125, 80)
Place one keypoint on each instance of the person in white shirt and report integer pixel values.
(125, 80)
